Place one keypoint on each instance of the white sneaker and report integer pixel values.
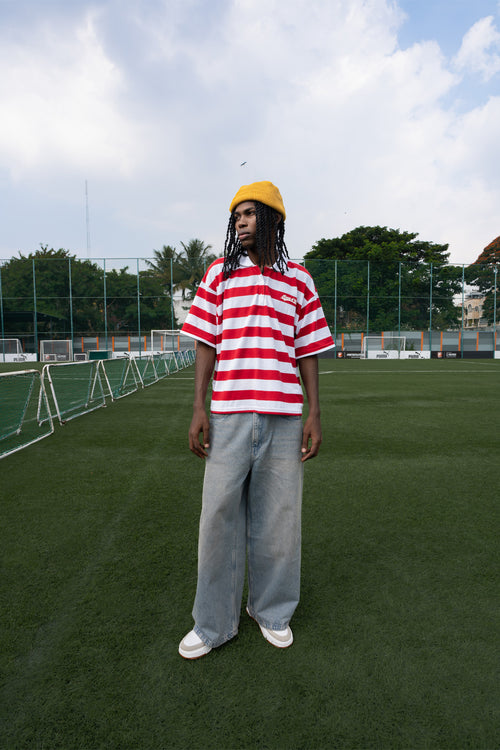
(278, 638)
(192, 647)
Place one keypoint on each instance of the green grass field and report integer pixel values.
(396, 635)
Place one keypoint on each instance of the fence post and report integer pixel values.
(35, 320)
(139, 310)
(430, 312)
(1, 314)
(335, 312)
(495, 299)
(368, 298)
(70, 303)
(399, 299)
(172, 291)
(105, 303)
(463, 308)
(1, 303)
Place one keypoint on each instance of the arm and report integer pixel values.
(204, 367)
(308, 367)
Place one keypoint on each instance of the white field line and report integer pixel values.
(399, 372)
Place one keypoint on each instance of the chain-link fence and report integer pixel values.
(114, 304)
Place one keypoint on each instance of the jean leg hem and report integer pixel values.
(214, 643)
(270, 625)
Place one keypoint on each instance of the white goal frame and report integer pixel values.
(11, 350)
(165, 340)
(56, 350)
(383, 346)
(33, 409)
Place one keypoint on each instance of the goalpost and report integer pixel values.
(10, 350)
(383, 347)
(25, 415)
(76, 388)
(56, 350)
(165, 340)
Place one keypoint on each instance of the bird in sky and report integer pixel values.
(242, 163)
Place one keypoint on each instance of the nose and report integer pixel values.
(241, 221)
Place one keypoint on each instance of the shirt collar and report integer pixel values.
(245, 262)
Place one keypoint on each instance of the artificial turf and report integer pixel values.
(396, 635)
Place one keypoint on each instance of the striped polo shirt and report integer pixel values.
(260, 323)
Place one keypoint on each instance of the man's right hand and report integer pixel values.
(199, 433)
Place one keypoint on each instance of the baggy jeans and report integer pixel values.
(251, 508)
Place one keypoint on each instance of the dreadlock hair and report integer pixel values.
(269, 242)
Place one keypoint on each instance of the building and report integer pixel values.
(473, 311)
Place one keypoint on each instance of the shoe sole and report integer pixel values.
(191, 656)
(195, 652)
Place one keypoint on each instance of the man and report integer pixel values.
(256, 316)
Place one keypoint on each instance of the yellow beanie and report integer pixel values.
(265, 192)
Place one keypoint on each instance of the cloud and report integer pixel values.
(480, 50)
(61, 107)
(165, 100)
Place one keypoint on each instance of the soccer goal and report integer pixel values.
(25, 415)
(147, 370)
(10, 350)
(165, 341)
(121, 376)
(56, 350)
(76, 388)
(383, 347)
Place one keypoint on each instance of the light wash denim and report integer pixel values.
(252, 498)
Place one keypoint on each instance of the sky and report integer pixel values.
(126, 125)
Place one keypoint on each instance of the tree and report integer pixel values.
(69, 290)
(376, 268)
(192, 261)
(165, 267)
(45, 276)
(181, 271)
(483, 274)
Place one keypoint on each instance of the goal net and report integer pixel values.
(25, 414)
(147, 370)
(165, 341)
(383, 347)
(76, 388)
(165, 363)
(10, 350)
(55, 350)
(121, 375)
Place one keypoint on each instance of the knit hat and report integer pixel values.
(265, 192)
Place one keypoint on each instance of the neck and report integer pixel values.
(257, 260)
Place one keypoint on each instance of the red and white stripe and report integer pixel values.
(260, 323)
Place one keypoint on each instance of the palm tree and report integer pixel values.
(192, 262)
(165, 267)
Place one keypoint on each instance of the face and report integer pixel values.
(245, 222)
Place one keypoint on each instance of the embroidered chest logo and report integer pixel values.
(286, 298)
